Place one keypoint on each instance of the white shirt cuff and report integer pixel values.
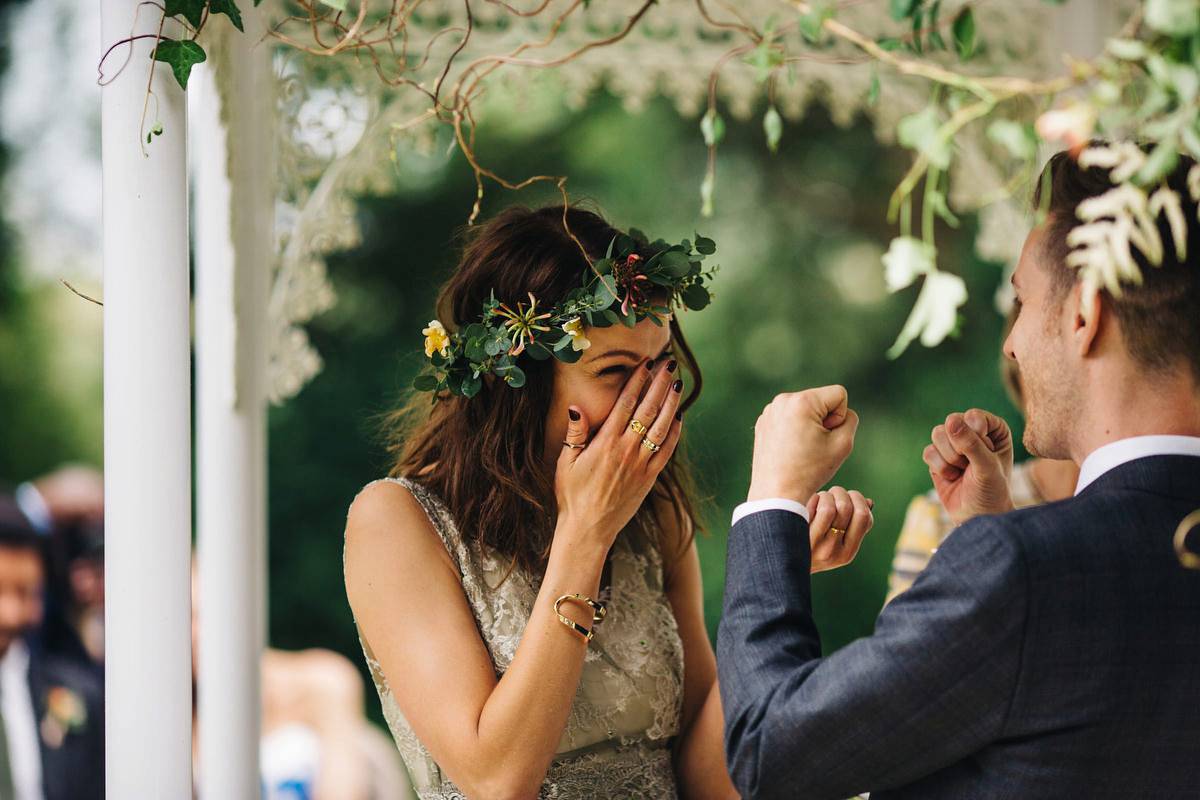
(769, 504)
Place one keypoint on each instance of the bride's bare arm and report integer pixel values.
(496, 738)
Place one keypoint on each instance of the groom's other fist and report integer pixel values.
(970, 460)
(800, 440)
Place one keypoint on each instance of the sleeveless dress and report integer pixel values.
(617, 742)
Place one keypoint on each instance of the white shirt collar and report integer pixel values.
(1114, 454)
(24, 747)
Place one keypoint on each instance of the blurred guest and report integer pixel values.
(51, 710)
(316, 741)
(67, 507)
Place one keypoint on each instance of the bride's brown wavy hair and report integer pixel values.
(484, 456)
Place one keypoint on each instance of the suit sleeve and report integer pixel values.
(932, 685)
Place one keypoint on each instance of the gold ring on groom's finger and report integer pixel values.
(638, 427)
(838, 531)
(651, 446)
(574, 446)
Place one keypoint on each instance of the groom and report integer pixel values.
(1044, 653)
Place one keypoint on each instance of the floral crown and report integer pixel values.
(618, 288)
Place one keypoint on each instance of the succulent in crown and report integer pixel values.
(622, 287)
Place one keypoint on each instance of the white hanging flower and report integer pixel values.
(935, 314)
(1175, 17)
(906, 258)
(579, 340)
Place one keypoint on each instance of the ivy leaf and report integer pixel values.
(230, 9)
(181, 55)
(773, 127)
(191, 10)
(712, 127)
(962, 30)
(873, 89)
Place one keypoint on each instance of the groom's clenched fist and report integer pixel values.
(800, 440)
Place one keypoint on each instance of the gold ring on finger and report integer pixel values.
(838, 531)
(638, 427)
(574, 446)
(649, 445)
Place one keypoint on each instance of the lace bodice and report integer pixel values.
(629, 700)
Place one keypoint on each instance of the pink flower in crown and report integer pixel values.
(631, 283)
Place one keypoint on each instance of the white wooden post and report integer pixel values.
(147, 412)
(234, 195)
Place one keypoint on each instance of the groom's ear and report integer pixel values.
(1090, 313)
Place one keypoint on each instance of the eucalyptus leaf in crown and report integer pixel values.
(621, 288)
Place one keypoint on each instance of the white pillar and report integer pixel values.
(233, 174)
(147, 412)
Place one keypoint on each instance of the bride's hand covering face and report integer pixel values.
(620, 403)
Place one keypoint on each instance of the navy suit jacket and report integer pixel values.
(73, 762)
(1049, 652)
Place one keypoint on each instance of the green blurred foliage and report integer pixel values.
(49, 357)
(799, 301)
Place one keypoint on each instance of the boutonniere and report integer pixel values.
(65, 713)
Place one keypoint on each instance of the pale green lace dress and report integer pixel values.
(627, 708)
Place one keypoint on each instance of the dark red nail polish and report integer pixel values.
(677, 386)
(671, 365)
(573, 414)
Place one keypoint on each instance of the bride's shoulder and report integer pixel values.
(386, 514)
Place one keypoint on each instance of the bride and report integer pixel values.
(525, 584)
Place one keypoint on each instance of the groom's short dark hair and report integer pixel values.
(1158, 318)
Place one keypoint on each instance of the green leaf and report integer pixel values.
(873, 88)
(963, 32)
(942, 209)
(712, 127)
(921, 132)
(155, 130)
(935, 35)
(603, 294)
(705, 246)
(190, 10)
(425, 383)
(181, 55)
(471, 386)
(773, 127)
(1177, 18)
(515, 377)
(812, 24)
(765, 58)
(228, 8)
(901, 9)
(1162, 159)
(340, 5)
(695, 297)
(676, 263)
(1018, 139)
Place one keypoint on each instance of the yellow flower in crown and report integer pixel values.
(436, 338)
(574, 328)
